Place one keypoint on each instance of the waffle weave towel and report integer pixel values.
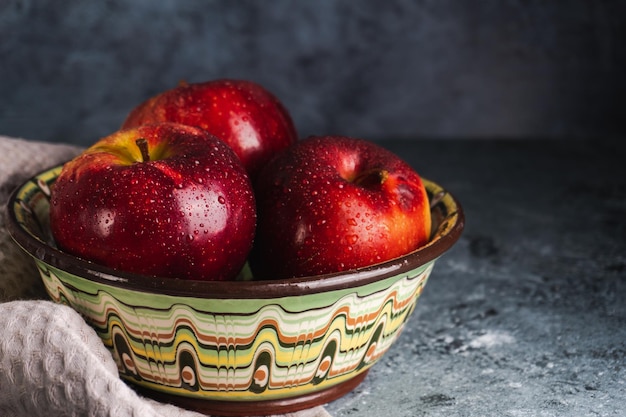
(52, 363)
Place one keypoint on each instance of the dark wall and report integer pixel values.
(70, 71)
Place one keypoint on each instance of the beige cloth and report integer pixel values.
(74, 375)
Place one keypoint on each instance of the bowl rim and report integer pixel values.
(264, 289)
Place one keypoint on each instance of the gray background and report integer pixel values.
(70, 71)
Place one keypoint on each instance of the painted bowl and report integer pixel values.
(239, 347)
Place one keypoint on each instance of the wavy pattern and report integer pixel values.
(270, 348)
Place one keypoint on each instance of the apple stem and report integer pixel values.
(142, 144)
(383, 174)
(372, 178)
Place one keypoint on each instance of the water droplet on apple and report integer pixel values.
(190, 238)
(352, 222)
(352, 239)
(221, 200)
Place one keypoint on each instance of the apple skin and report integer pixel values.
(334, 203)
(250, 119)
(189, 212)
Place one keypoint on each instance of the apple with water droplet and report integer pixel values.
(164, 199)
(334, 203)
(245, 115)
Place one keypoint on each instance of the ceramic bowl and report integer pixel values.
(232, 348)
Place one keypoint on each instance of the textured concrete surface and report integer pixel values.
(375, 69)
(526, 316)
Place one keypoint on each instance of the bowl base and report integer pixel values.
(253, 408)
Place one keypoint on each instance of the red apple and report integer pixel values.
(243, 114)
(330, 204)
(167, 200)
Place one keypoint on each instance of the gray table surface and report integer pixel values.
(526, 315)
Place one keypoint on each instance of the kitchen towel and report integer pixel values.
(52, 363)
